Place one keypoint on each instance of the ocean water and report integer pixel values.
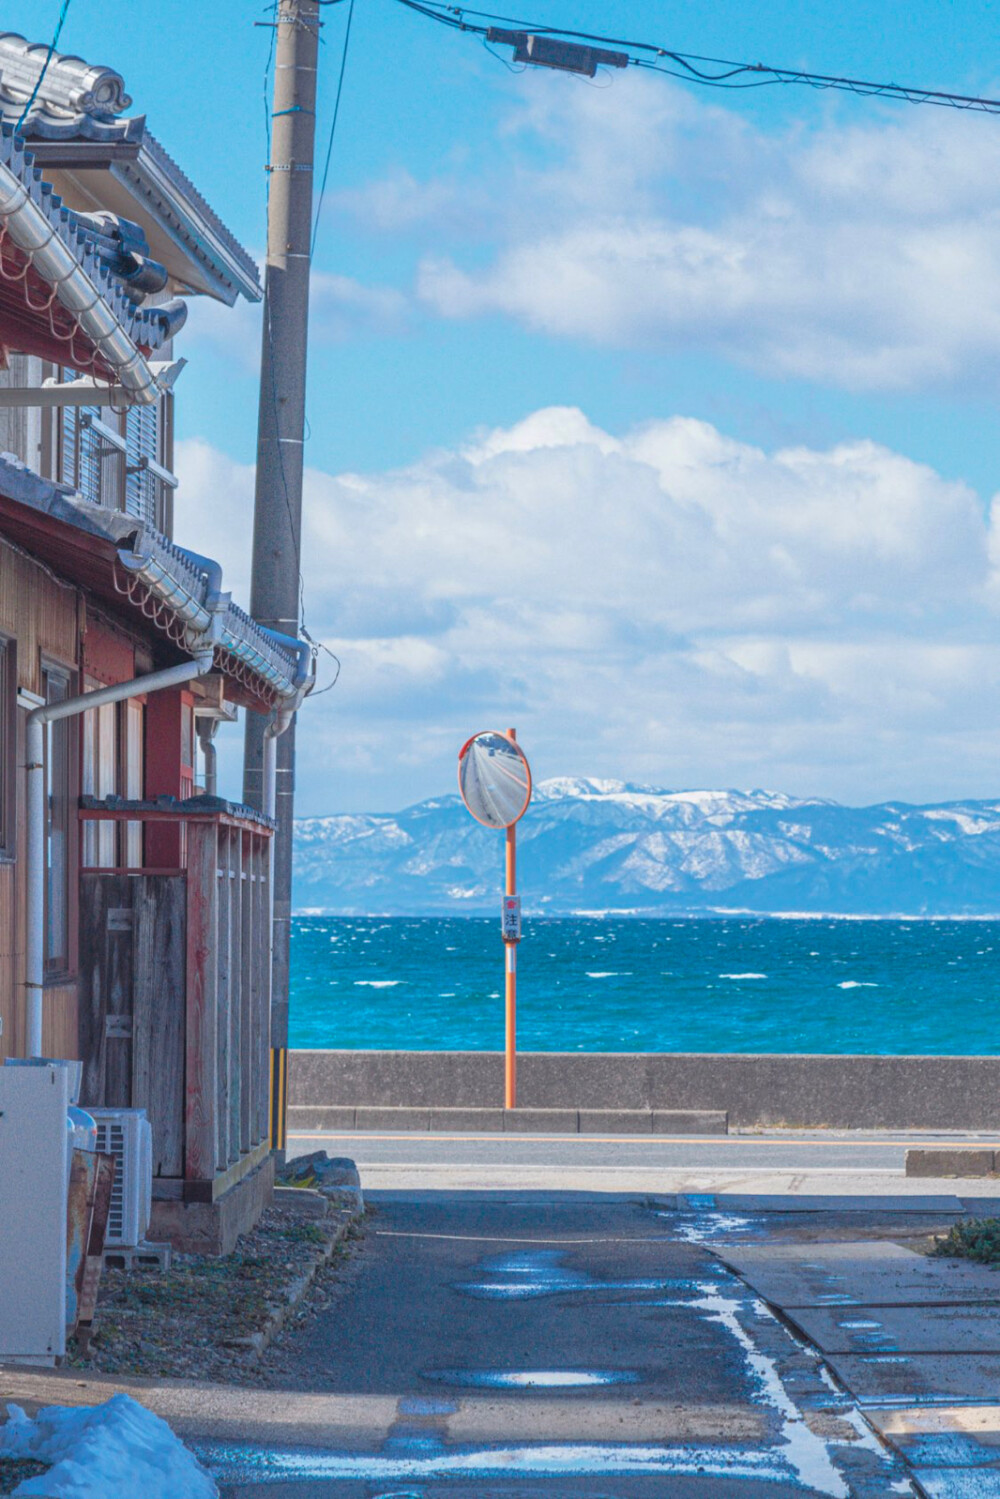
(726, 984)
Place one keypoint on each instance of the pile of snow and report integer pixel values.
(112, 1451)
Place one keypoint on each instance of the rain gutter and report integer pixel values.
(31, 230)
(189, 584)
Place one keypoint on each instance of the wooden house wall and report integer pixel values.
(175, 1001)
(42, 615)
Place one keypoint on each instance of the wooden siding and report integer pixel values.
(40, 613)
(133, 932)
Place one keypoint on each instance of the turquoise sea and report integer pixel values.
(721, 984)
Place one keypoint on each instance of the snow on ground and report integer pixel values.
(111, 1451)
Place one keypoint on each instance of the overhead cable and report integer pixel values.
(45, 66)
(710, 72)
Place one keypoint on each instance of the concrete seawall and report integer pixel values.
(341, 1089)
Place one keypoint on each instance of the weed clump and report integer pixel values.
(971, 1239)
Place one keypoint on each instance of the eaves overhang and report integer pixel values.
(43, 318)
(130, 173)
(98, 549)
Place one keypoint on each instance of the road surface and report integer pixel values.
(799, 1163)
(488, 1349)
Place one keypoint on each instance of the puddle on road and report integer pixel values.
(520, 1277)
(701, 1222)
(531, 1379)
(235, 1463)
(418, 1405)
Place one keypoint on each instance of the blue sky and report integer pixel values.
(659, 421)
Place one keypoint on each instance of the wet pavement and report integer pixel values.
(544, 1347)
(521, 1344)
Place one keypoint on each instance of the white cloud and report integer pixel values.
(340, 308)
(670, 605)
(641, 216)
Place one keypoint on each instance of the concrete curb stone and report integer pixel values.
(512, 1121)
(372, 1117)
(690, 1122)
(964, 1162)
(490, 1120)
(336, 1117)
(278, 1314)
(616, 1121)
(540, 1121)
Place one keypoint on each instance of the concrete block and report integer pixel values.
(214, 1227)
(474, 1121)
(837, 1092)
(391, 1118)
(303, 1117)
(616, 1121)
(598, 1079)
(690, 1122)
(955, 1161)
(540, 1121)
(418, 1079)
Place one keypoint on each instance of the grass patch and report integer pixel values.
(972, 1239)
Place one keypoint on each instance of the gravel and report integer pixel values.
(210, 1318)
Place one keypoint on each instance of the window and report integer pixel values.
(58, 829)
(112, 766)
(120, 459)
(8, 747)
(133, 779)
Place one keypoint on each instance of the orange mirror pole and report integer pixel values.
(510, 977)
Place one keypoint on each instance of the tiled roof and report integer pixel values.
(71, 90)
(145, 326)
(80, 102)
(245, 645)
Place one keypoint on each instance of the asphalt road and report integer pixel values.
(489, 1349)
(782, 1162)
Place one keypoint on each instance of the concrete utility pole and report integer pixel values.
(277, 525)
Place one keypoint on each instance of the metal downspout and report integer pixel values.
(157, 681)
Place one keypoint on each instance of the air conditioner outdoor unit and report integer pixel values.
(126, 1134)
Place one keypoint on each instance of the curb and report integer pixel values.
(295, 1292)
(961, 1162)
(349, 1118)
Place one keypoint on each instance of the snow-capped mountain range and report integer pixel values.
(593, 846)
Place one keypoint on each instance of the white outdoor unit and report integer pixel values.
(126, 1134)
(33, 1103)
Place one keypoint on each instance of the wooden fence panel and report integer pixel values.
(201, 1041)
(262, 983)
(250, 1047)
(105, 1018)
(159, 912)
(235, 882)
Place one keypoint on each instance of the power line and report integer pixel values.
(45, 66)
(333, 123)
(710, 72)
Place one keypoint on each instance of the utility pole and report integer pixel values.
(277, 523)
